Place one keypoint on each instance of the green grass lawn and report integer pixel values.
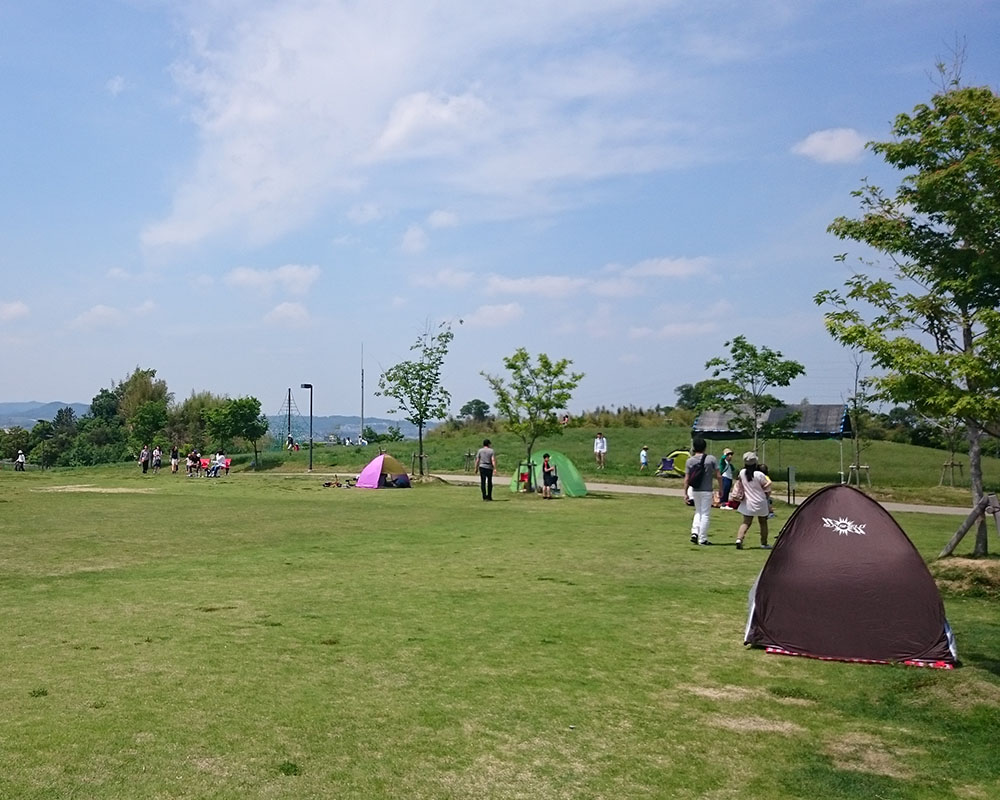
(264, 636)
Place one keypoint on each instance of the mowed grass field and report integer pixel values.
(264, 636)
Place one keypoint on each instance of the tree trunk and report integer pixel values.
(420, 448)
(976, 474)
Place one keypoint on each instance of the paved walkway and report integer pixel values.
(620, 488)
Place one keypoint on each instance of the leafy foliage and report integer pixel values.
(528, 402)
(745, 380)
(934, 327)
(416, 385)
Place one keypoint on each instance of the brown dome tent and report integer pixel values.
(844, 582)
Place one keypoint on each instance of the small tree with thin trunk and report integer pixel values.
(745, 380)
(535, 392)
(416, 385)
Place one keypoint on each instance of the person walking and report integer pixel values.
(19, 461)
(756, 490)
(600, 449)
(486, 463)
(700, 472)
(144, 459)
(157, 459)
(175, 459)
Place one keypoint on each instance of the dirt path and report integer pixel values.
(593, 486)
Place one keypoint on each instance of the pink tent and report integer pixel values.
(370, 477)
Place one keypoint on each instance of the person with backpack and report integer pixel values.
(700, 473)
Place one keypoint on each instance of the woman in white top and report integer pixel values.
(756, 487)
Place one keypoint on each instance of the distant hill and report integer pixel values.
(25, 415)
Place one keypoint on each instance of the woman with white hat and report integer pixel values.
(756, 487)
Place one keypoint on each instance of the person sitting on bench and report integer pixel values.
(217, 466)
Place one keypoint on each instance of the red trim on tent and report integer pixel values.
(908, 663)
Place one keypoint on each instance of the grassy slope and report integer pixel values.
(263, 636)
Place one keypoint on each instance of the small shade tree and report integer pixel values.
(743, 387)
(527, 402)
(415, 385)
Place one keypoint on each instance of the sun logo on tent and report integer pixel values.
(844, 526)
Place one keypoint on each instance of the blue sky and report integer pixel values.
(243, 195)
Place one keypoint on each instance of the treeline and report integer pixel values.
(139, 410)
(475, 416)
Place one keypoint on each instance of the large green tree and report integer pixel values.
(930, 319)
(744, 382)
(529, 399)
(415, 385)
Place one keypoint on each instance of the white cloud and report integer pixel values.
(442, 219)
(539, 285)
(115, 86)
(298, 103)
(444, 278)
(423, 123)
(144, 308)
(414, 240)
(99, 316)
(294, 279)
(14, 310)
(668, 268)
(494, 316)
(832, 146)
(364, 213)
(673, 330)
(118, 274)
(288, 315)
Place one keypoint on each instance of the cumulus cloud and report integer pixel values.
(442, 219)
(288, 315)
(292, 278)
(421, 122)
(13, 310)
(443, 278)
(538, 285)
(363, 213)
(494, 316)
(832, 146)
(303, 102)
(414, 240)
(99, 316)
(115, 86)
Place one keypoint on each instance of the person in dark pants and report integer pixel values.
(486, 463)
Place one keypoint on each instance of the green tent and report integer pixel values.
(570, 481)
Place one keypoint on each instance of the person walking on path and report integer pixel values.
(600, 449)
(700, 472)
(19, 461)
(486, 463)
(755, 487)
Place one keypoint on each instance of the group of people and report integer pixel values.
(751, 487)
(152, 459)
(486, 465)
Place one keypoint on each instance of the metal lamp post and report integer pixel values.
(309, 386)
